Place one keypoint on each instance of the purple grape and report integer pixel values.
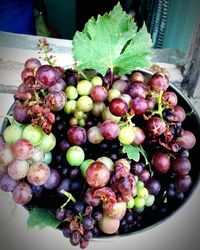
(137, 89)
(59, 85)
(20, 113)
(88, 223)
(53, 180)
(109, 130)
(7, 184)
(57, 99)
(32, 63)
(183, 183)
(153, 186)
(76, 135)
(46, 76)
(181, 166)
(139, 105)
(60, 214)
(63, 185)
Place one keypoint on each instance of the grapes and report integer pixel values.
(97, 175)
(47, 142)
(32, 64)
(94, 135)
(20, 113)
(46, 75)
(120, 85)
(12, 133)
(170, 98)
(59, 85)
(136, 77)
(109, 130)
(161, 162)
(71, 92)
(53, 179)
(126, 135)
(57, 99)
(75, 156)
(98, 108)
(183, 183)
(22, 194)
(76, 135)
(159, 82)
(84, 103)
(118, 210)
(38, 173)
(18, 169)
(156, 126)
(153, 186)
(139, 105)
(22, 149)
(118, 107)
(88, 223)
(98, 93)
(33, 134)
(186, 140)
(108, 225)
(137, 89)
(7, 184)
(181, 166)
(6, 155)
(84, 87)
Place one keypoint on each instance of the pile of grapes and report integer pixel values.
(107, 155)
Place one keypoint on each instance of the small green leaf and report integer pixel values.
(132, 152)
(40, 217)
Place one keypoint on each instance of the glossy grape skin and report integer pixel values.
(84, 103)
(38, 173)
(118, 107)
(120, 85)
(97, 175)
(46, 75)
(159, 82)
(136, 77)
(22, 194)
(139, 136)
(76, 135)
(109, 130)
(22, 149)
(20, 114)
(98, 93)
(26, 73)
(118, 210)
(153, 186)
(126, 135)
(187, 140)
(108, 225)
(161, 162)
(59, 100)
(107, 115)
(33, 134)
(139, 105)
(47, 142)
(7, 184)
(84, 87)
(181, 166)
(98, 109)
(12, 133)
(137, 89)
(112, 94)
(32, 64)
(59, 85)
(170, 98)
(75, 156)
(156, 126)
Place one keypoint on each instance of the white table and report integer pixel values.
(180, 231)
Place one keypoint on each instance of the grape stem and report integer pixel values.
(69, 196)
(160, 107)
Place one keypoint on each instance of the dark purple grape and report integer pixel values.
(66, 231)
(75, 237)
(137, 168)
(60, 214)
(153, 186)
(69, 214)
(75, 186)
(74, 173)
(65, 184)
(79, 207)
(88, 223)
(137, 89)
(88, 235)
(46, 75)
(118, 107)
(37, 190)
(63, 145)
(20, 113)
(84, 243)
(53, 179)
(97, 215)
(7, 184)
(160, 162)
(181, 166)
(144, 175)
(183, 183)
(156, 126)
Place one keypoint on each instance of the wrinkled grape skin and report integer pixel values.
(109, 130)
(76, 135)
(161, 162)
(22, 194)
(170, 98)
(38, 173)
(97, 175)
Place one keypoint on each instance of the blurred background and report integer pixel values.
(170, 22)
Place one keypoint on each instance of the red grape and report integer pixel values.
(56, 100)
(38, 173)
(137, 89)
(121, 85)
(22, 194)
(20, 113)
(76, 135)
(159, 82)
(187, 140)
(26, 73)
(32, 63)
(139, 105)
(170, 98)
(22, 149)
(156, 126)
(118, 107)
(181, 166)
(59, 85)
(94, 135)
(97, 175)
(161, 162)
(109, 130)
(99, 93)
(46, 75)
(139, 136)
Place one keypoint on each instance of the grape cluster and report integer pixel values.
(108, 155)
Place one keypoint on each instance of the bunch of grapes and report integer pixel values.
(109, 154)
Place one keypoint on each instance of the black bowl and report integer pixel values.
(162, 210)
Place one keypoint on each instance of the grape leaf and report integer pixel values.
(40, 217)
(112, 42)
(132, 152)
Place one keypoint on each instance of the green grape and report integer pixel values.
(47, 158)
(81, 122)
(48, 142)
(140, 184)
(85, 165)
(96, 80)
(107, 115)
(75, 156)
(113, 93)
(130, 203)
(126, 135)
(33, 133)
(85, 103)
(139, 202)
(84, 87)
(107, 161)
(70, 107)
(149, 200)
(13, 133)
(71, 92)
(142, 192)
(78, 114)
(138, 210)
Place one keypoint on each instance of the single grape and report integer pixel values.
(48, 142)
(76, 135)
(98, 109)
(88, 223)
(12, 133)
(46, 75)
(113, 93)
(137, 168)
(159, 82)
(118, 210)
(96, 80)
(139, 136)
(98, 93)
(107, 161)
(22, 149)
(84, 87)
(66, 231)
(149, 201)
(37, 155)
(97, 175)
(153, 186)
(183, 183)
(57, 100)
(94, 135)
(38, 173)
(90, 199)
(120, 85)
(126, 135)
(22, 194)
(26, 73)
(75, 237)
(136, 77)
(47, 158)
(181, 166)
(127, 99)
(53, 180)
(6, 155)
(137, 89)
(84, 103)
(156, 126)
(59, 85)
(75, 156)
(60, 214)
(108, 225)
(71, 92)
(20, 113)
(107, 115)
(109, 130)
(32, 64)
(130, 203)
(18, 169)
(139, 202)
(33, 134)
(187, 140)
(7, 184)
(144, 175)
(160, 162)
(65, 185)
(118, 107)
(142, 192)
(139, 105)
(84, 242)
(170, 98)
